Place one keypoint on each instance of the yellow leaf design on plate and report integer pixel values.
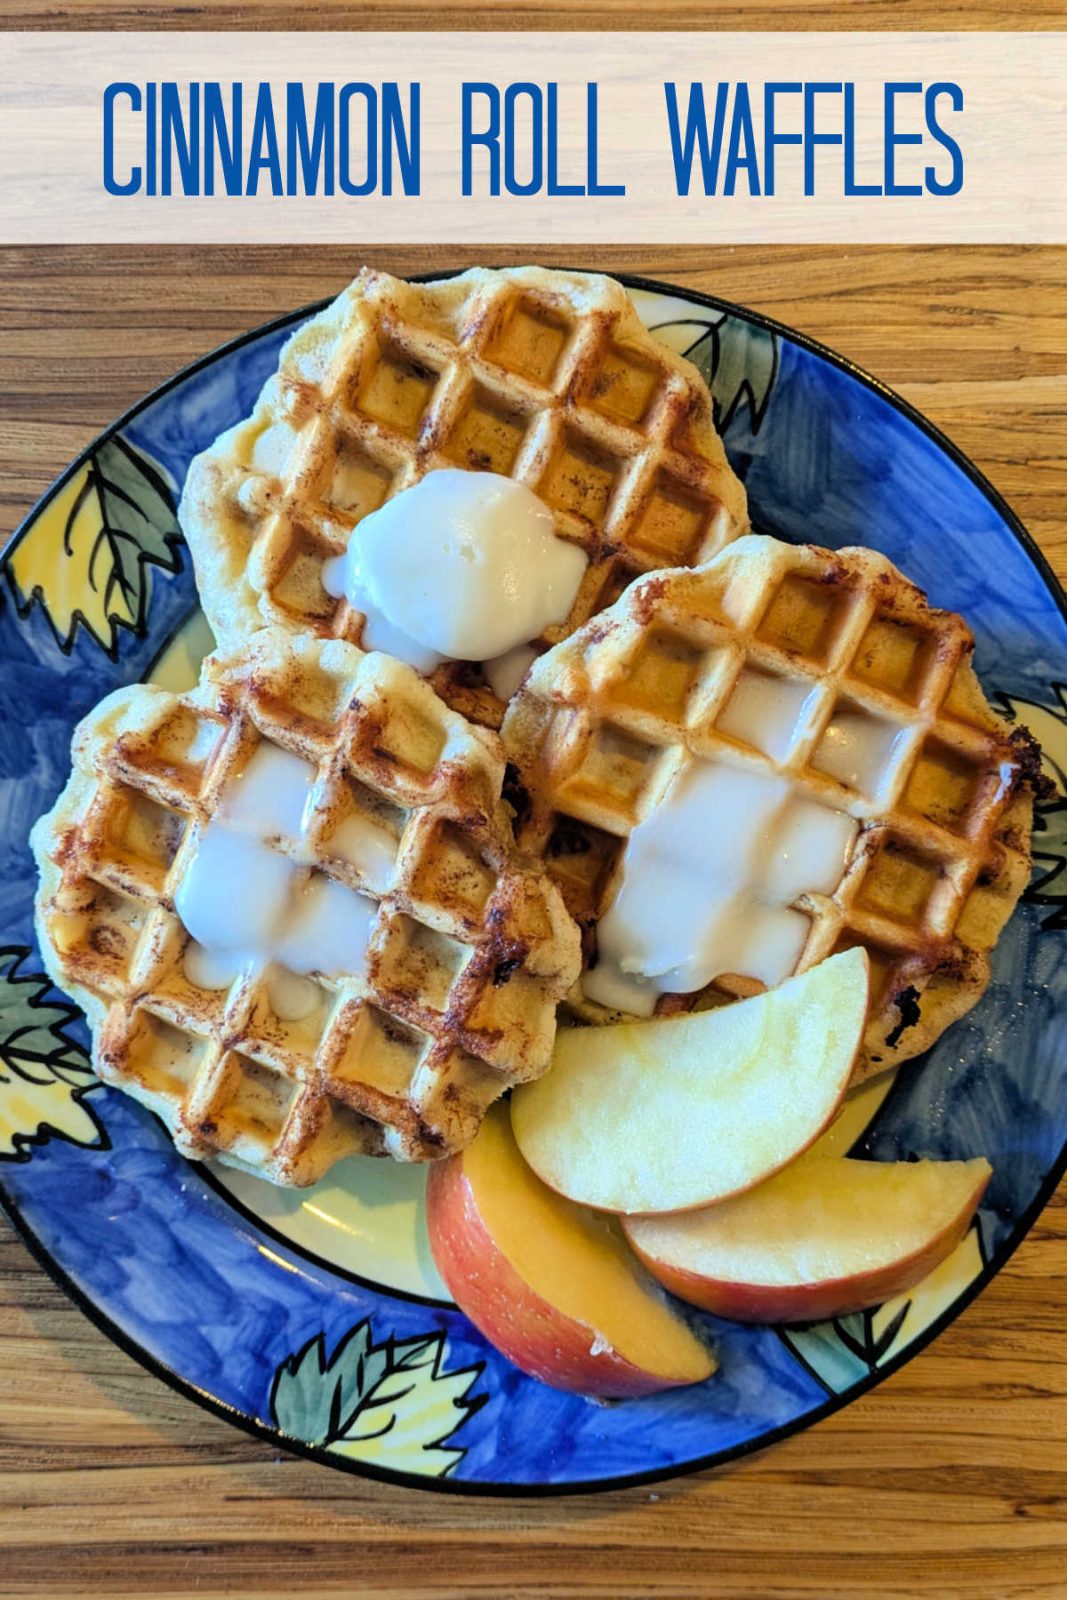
(848, 1349)
(938, 1291)
(87, 557)
(392, 1405)
(30, 1110)
(44, 1076)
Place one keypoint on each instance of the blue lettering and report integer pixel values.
(851, 186)
(512, 94)
(178, 140)
(594, 186)
(111, 94)
(554, 187)
(223, 138)
(150, 136)
(309, 152)
(771, 137)
(395, 137)
(812, 138)
(893, 138)
(369, 182)
(489, 138)
(741, 134)
(955, 100)
(696, 134)
(264, 154)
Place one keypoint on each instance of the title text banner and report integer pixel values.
(519, 138)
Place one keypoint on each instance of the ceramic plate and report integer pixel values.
(316, 1320)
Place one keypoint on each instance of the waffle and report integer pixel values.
(470, 949)
(546, 377)
(942, 853)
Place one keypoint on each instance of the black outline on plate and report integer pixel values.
(543, 1491)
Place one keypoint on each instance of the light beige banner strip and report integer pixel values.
(636, 138)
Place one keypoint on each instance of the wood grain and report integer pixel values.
(951, 1479)
(541, 15)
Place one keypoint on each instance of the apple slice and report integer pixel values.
(554, 1287)
(679, 1112)
(825, 1237)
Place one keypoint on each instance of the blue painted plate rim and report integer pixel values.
(833, 1403)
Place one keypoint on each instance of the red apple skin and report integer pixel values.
(528, 1330)
(809, 1302)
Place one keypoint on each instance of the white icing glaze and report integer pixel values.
(856, 749)
(810, 849)
(268, 797)
(462, 566)
(506, 672)
(706, 884)
(766, 711)
(209, 969)
(326, 929)
(247, 906)
(234, 893)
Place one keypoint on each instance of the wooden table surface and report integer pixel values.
(948, 1480)
(506, 15)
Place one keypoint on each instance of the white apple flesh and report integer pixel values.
(680, 1112)
(826, 1237)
